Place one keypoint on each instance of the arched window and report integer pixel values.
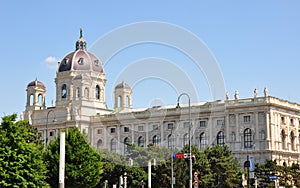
(78, 92)
(40, 98)
(203, 140)
(31, 100)
(141, 141)
(113, 145)
(292, 136)
(248, 138)
(126, 142)
(221, 138)
(299, 139)
(263, 135)
(86, 92)
(119, 102)
(283, 139)
(127, 101)
(99, 143)
(64, 91)
(97, 92)
(155, 140)
(185, 139)
(170, 142)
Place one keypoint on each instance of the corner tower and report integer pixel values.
(80, 81)
(36, 93)
(123, 95)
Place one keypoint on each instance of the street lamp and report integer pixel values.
(125, 179)
(54, 120)
(142, 183)
(190, 147)
(172, 171)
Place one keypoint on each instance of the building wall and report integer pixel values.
(261, 115)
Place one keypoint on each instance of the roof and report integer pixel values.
(36, 83)
(80, 59)
(122, 85)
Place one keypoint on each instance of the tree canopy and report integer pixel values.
(83, 165)
(21, 155)
(224, 166)
(215, 166)
(288, 176)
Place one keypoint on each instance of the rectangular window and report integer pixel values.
(170, 125)
(126, 129)
(112, 130)
(186, 124)
(202, 123)
(283, 120)
(247, 119)
(220, 122)
(155, 127)
(140, 128)
(292, 121)
(99, 131)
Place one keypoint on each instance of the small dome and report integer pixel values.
(80, 59)
(36, 83)
(122, 85)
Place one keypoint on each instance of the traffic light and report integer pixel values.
(247, 164)
(178, 155)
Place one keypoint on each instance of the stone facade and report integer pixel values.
(264, 127)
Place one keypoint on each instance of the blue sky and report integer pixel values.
(255, 43)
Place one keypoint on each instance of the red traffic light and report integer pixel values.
(178, 155)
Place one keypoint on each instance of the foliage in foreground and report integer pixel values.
(83, 166)
(216, 167)
(21, 157)
(288, 176)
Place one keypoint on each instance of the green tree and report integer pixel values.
(115, 165)
(202, 165)
(141, 156)
(83, 166)
(161, 174)
(21, 157)
(295, 172)
(263, 171)
(224, 167)
(288, 176)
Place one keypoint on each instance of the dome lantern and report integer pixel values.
(80, 43)
(80, 59)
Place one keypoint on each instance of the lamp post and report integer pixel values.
(172, 171)
(105, 183)
(47, 124)
(190, 147)
(125, 179)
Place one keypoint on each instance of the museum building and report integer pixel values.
(264, 127)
